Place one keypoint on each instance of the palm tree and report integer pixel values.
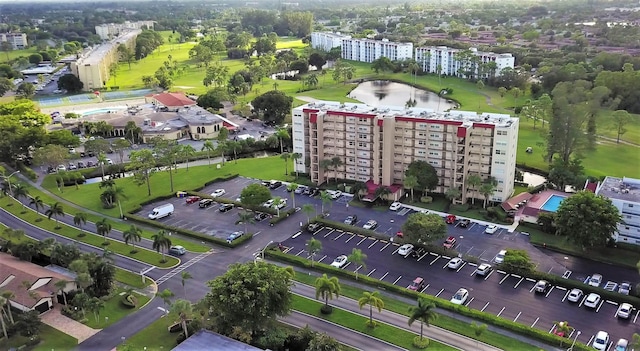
(184, 277)
(452, 193)
(61, 284)
(13, 233)
(183, 310)
(486, 190)
(357, 189)
(107, 183)
(473, 181)
(382, 192)
(166, 296)
(326, 166)
(3, 301)
(373, 300)
(37, 203)
(286, 156)
(410, 182)
(161, 242)
(246, 218)
(424, 313)
(132, 235)
(295, 157)
(336, 162)
(223, 147)
(8, 295)
(95, 305)
(308, 209)
(282, 134)
(20, 190)
(80, 219)
(291, 188)
(326, 288)
(276, 203)
(102, 160)
(313, 247)
(326, 199)
(209, 148)
(55, 210)
(84, 280)
(103, 227)
(186, 152)
(358, 258)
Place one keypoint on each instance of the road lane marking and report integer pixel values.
(339, 236)
(440, 292)
(375, 242)
(516, 319)
(329, 233)
(360, 242)
(394, 283)
(373, 270)
(503, 279)
(485, 307)
(534, 322)
(502, 310)
(423, 256)
(384, 276)
(434, 261)
(352, 236)
(384, 247)
(467, 304)
(518, 283)
(162, 309)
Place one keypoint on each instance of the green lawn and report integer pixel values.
(386, 332)
(154, 337)
(113, 311)
(50, 340)
(14, 54)
(131, 279)
(445, 322)
(118, 247)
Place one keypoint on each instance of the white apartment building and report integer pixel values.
(376, 145)
(109, 31)
(17, 40)
(434, 58)
(625, 196)
(368, 50)
(326, 41)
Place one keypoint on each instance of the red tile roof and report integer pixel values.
(173, 99)
(512, 202)
(591, 186)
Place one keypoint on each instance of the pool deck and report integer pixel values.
(538, 200)
(78, 108)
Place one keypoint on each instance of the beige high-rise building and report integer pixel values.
(376, 145)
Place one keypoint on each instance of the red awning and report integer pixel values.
(462, 132)
(228, 125)
(313, 118)
(512, 202)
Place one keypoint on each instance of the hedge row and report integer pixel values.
(543, 336)
(129, 301)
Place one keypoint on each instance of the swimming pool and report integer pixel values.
(552, 203)
(103, 110)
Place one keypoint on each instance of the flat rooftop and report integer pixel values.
(96, 55)
(626, 189)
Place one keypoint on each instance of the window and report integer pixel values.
(501, 143)
(422, 142)
(203, 130)
(435, 126)
(502, 132)
(500, 152)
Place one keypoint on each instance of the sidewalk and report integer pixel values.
(56, 320)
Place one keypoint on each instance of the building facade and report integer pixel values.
(376, 145)
(109, 31)
(17, 40)
(326, 41)
(368, 50)
(454, 62)
(625, 196)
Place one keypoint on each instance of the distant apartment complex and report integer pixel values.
(92, 68)
(368, 50)
(326, 41)
(109, 31)
(625, 196)
(446, 61)
(376, 145)
(17, 40)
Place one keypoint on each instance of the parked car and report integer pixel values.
(260, 216)
(193, 199)
(450, 242)
(340, 261)
(300, 189)
(314, 192)
(306, 191)
(371, 225)
(575, 295)
(405, 249)
(177, 250)
(312, 227)
(621, 345)
(455, 263)
(595, 280)
(234, 236)
(395, 206)
(275, 184)
(624, 288)
(90, 164)
(418, 252)
(61, 168)
(351, 220)
(542, 286)
(218, 193)
(601, 341)
(81, 165)
(225, 207)
(465, 223)
(417, 284)
(592, 300)
(450, 219)
(624, 311)
(282, 204)
(491, 229)
(72, 167)
(500, 256)
(334, 194)
(483, 269)
(460, 296)
(269, 203)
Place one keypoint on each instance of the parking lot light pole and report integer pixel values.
(264, 248)
(8, 179)
(574, 341)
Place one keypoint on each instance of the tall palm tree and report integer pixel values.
(84, 280)
(308, 209)
(95, 305)
(37, 203)
(223, 147)
(326, 288)
(357, 189)
(295, 157)
(55, 210)
(8, 295)
(424, 313)
(410, 182)
(184, 277)
(19, 191)
(326, 199)
(3, 301)
(382, 192)
(161, 243)
(166, 296)
(452, 193)
(473, 181)
(245, 218)
(486, 190)
(132, 235)
(336, 162)
(107, 183)
(282, 134)
(209, 148)
(186, 152)
(80, 219)
(184, 311)
(276, 203)
(313, 247)
(291, 188)
(358, 258)
(286, 156)
(326, 165)
(102, 160)
(103, 227)
(61, 284)
(13, 233)
(373, 300)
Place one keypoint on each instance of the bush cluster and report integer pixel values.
(129, 300)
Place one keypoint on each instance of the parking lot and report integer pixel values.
(506, 295)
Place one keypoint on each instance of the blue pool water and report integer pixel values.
(552, 204)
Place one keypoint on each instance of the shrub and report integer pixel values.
(326, 309)
(129, 300)
(175, 328)
(420, 343)
(283, 215)
(28, 172)
(426, 199)
(461, 208)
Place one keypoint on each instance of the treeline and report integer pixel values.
(146, 42)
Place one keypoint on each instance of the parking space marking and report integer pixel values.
(488, 275)
(518, 316)
(503, 279)
(636, 317)
(467, 304)
(562, 288)
(352, 236)
(373, 270)
(434, 260)
(550, 290)
(485, 307)
(531, 280)
(323, 257)
(425, 288)
(565, 296)
(329, 233)
(518, 283)
(287, 250)
(423, 256)
(373, 243)
(357, 269)
(301, 251)
(360, 242)
(553, 327)
(582, 301)
(347, 265)
(532, 288)
(384, 275)
(445, 265)
(257, 233)
(394, 283)
(338, 237)
(384, 247)
(534, 322)
(439, 292)
(598, 309)
(463, 264)
(502, 310)
(318, 231)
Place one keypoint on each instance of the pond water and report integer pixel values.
(385, 93)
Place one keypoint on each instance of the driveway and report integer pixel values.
(55, 319)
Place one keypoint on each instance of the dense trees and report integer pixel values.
(71, 83)
(425, 174)
(272, 106)
(424, 228)
(146, 42)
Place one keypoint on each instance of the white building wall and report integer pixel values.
(299, 142)
(326, 41)
(367, 50)
(505, 141)
(431, 57)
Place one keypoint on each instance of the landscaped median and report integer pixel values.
(118, 247)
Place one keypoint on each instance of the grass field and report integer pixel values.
(114, 311)
(131, 279)
(154, 337)
(14, 54)
(51, 340)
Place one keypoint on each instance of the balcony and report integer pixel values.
(460, 169)
(461, 149)
(459, 179)
(460, 160)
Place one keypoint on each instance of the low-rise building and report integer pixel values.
(17, 40)
(625, 196)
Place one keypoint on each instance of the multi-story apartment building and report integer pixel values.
(376, 145)
(17, 40)
(326, 41)
(92, 68)
(109, 31)
(368, 50)
(448, 61)
(625, 196)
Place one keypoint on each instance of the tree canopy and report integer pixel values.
(424, 228)
(254, 195)
(273, 106)
(424, 173)
(71, 83)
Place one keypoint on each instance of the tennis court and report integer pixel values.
(50, 101)
(80, 98)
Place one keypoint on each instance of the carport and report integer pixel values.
(514, 202)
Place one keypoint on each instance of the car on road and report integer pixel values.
(312, 227)
(455, 263)
(624, 288)
(260, 216)
(601, 341)
(460, 296)
(225, 207)
(405, 249)
(624, 311)
(275, 184)
(177, 250)
(450, 242)
(491, 229)
(500, 256)
(192, 199)
(592, 300)
(371, 225)
(340, 261)
(300, 189)
(542, 287)
(595, 280)
(575, 295)
(205, 203)
(269, 203)
(395, 206)
(483, 269)
(464, 223)
(334, 194)
(218, 193)
(351, 220)
(282, 204)
(621, 345)
(234, 236)
(417, 284)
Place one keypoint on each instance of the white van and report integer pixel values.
(500, 256)
(161, 211)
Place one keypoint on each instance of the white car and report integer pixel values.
(62, 168)
(483, 269)
(218, 193)
(282, 204)
(622, 345)
(592, 300)
(340, 261)
(268, 203)
(500, 256)
(460, 297)
(371, 225)
(595, 280)
(575, 295)
(455, 263)
(624, 311)
(395, 206)
(491, 229)
(334, 194)
(601, 341)
(405, 249)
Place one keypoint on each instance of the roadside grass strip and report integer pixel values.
(114, 310)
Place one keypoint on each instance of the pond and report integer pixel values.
(385, 93)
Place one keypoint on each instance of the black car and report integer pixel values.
(312, 227)
(265, 183)
(351, 220)
(225, 207)
(464, 223)
(275, 185)
(418, 252)
(313, 192)
(90, 164)
(81, 165)
(260, 216)
(205, 203)
(307, 191)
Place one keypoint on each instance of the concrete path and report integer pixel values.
(55, 319)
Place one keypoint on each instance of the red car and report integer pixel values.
(193, 199)
(450, 242)
(450, 219)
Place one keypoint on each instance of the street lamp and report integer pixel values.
(8, 179)
(260, 255)
(574, 341)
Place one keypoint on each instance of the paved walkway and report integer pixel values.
(55, 319)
